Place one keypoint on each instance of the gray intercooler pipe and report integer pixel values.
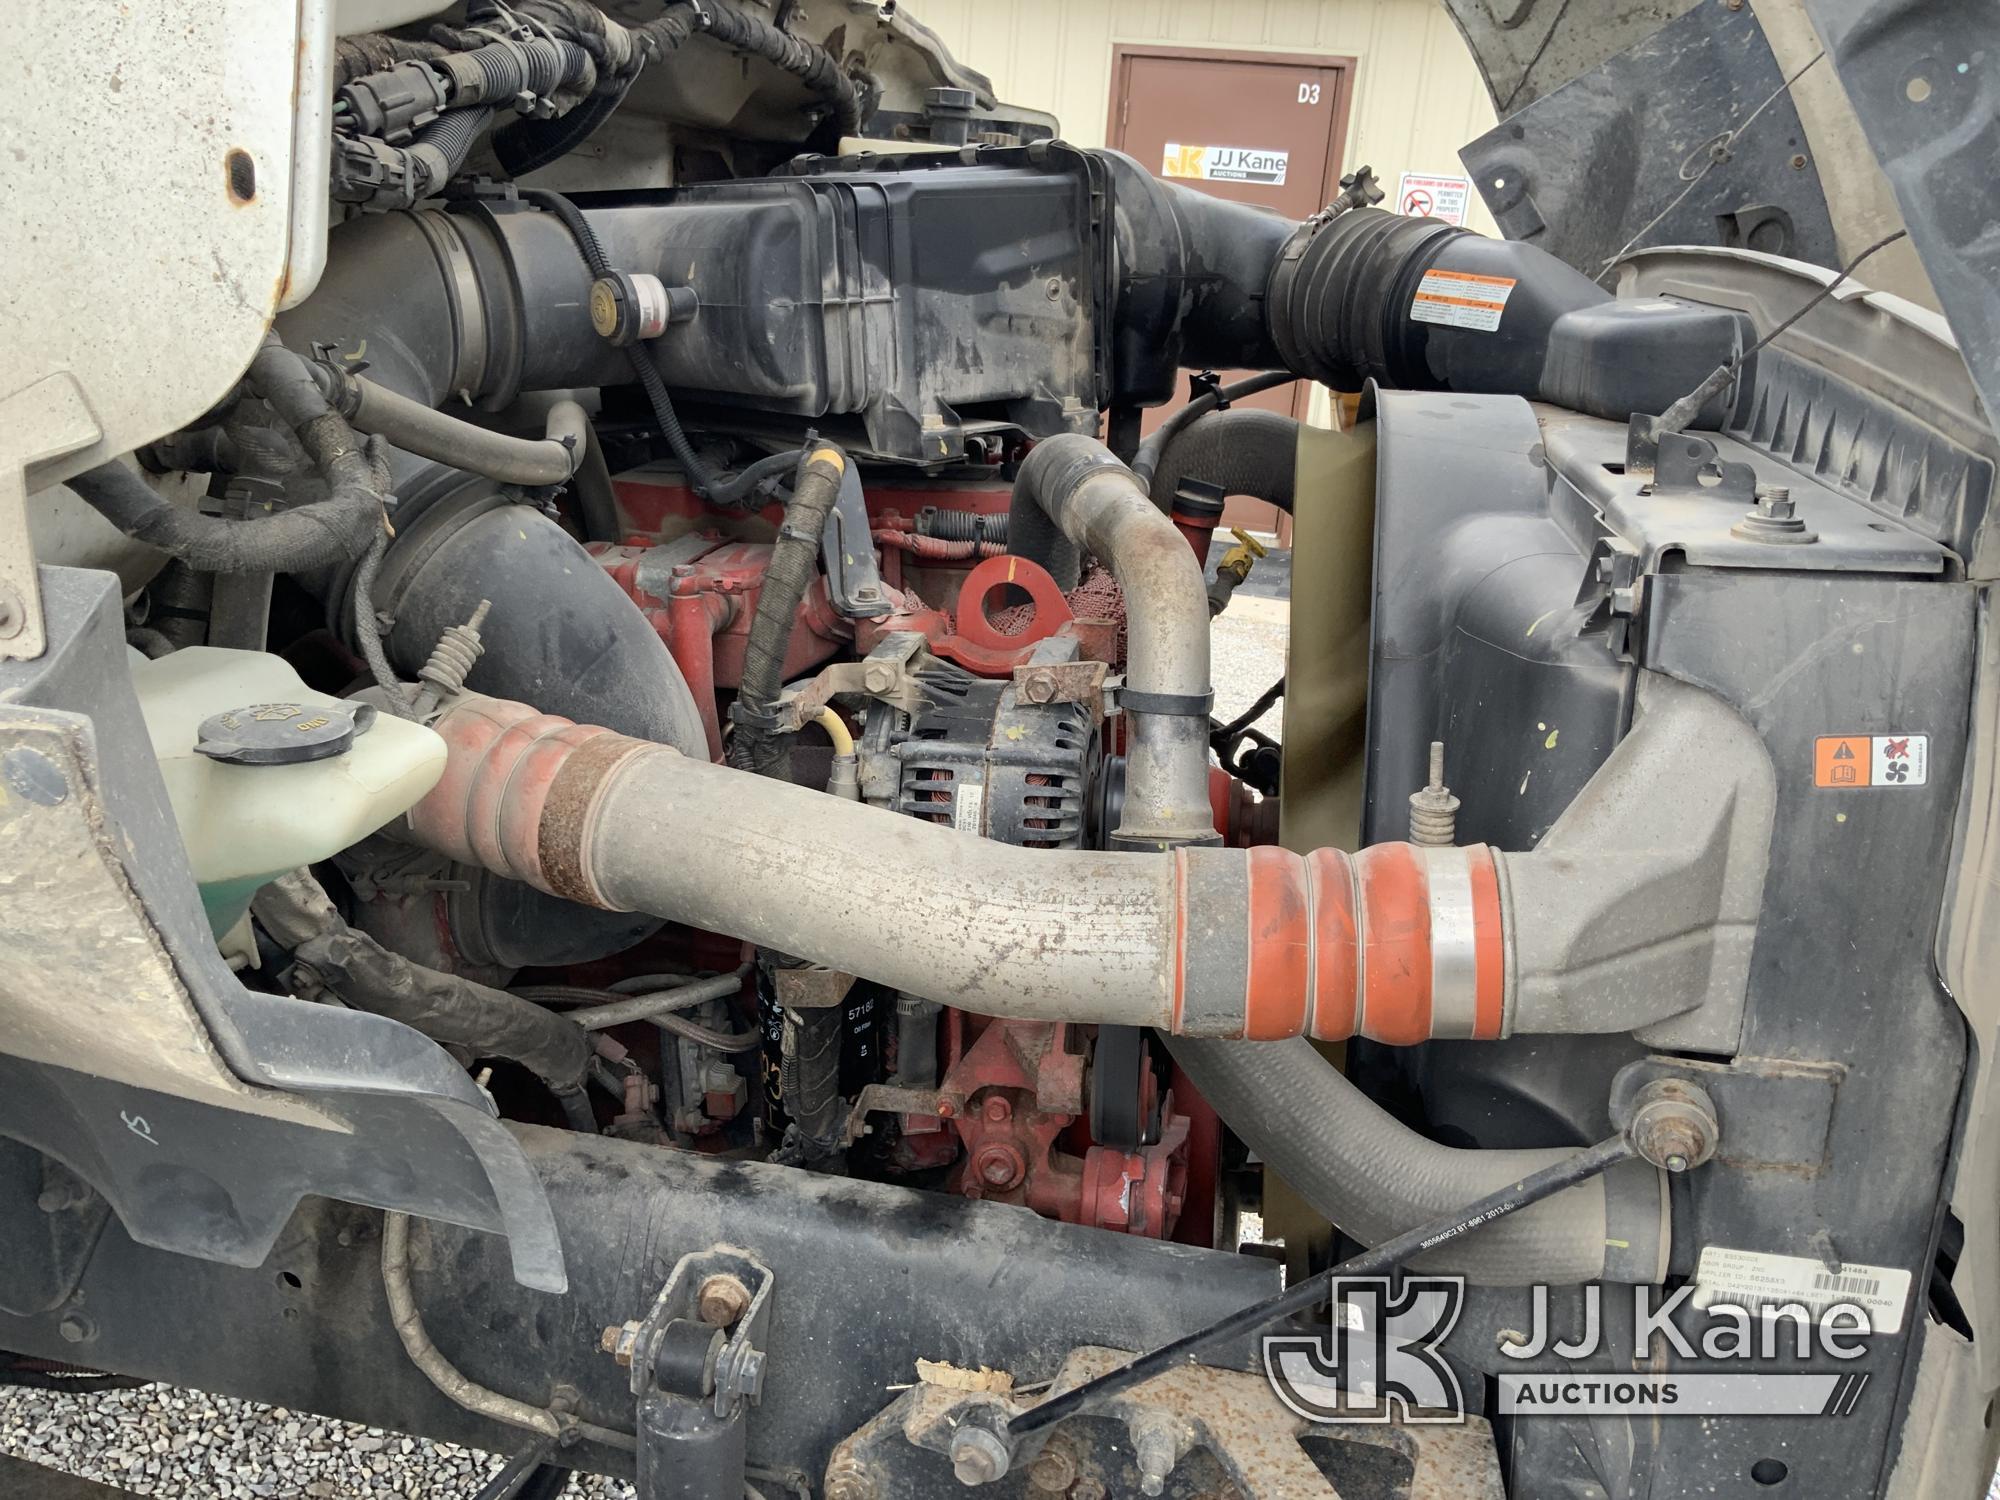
(1395, 942)
(1072, 496)
(1375, 1178)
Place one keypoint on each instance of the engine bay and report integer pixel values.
(618, 845)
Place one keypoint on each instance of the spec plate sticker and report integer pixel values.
(1871, 760)
(1760, 1283)
(1458, 299)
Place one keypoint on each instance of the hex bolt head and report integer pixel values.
(1775, 501)
(721, 1300)
(998, 1110)
(76, 1329)
(978, 1456)
(878, 677)
(618, 1341)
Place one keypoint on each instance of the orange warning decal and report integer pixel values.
(1840, 760)
(1871, 760)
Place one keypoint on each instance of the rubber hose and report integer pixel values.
(1147, 459)
(1374, 1178)
(444, 1007)
(430, 433)
(324, 534)
(700, 478)
(739, 489)
(1245, 451)
(794, 564)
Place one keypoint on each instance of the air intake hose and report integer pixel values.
(1415, 303)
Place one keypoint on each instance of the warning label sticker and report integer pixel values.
(1458, 299)
(1433, 195)
(1225, 164)
(1858, 760)
(1760, 1283)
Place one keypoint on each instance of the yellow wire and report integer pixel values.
(836, 728)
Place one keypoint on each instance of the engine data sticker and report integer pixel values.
(968, 808)
(1225, 164)
(1458, 299)
(1871, 760)
(1760, 1283)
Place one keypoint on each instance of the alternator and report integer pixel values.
(983, 761)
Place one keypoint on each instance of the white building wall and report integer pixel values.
(1417, 95)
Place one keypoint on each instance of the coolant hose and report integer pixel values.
(1243, 451)
(794, 564)
(1373, 1177)
(1146, 462)
(321, 534)
(444, 1007)
(429, 433)
(1074, 496)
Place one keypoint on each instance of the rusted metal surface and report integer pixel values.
(1204, 1434)
(1012, 1097)
(811, 987)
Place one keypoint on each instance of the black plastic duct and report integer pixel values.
(562, 636)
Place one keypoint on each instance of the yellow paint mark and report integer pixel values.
(359, 353)
(1840, 817)
(1550, 742)
(1538, 620)
(1619, 1244)
(1522, 790)
(1012, 565)
(1015, 732)
(1541, 726)
(832, 456)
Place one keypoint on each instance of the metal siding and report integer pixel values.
(1417, 95)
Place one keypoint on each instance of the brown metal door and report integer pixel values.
(1255, 127)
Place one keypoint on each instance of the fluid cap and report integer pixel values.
(282, 734)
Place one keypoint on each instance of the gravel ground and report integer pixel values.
(1247, 655)
(159, 1440)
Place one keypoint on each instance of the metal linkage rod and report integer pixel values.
(1386, 1256)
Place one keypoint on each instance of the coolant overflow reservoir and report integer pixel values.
(265, 774)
